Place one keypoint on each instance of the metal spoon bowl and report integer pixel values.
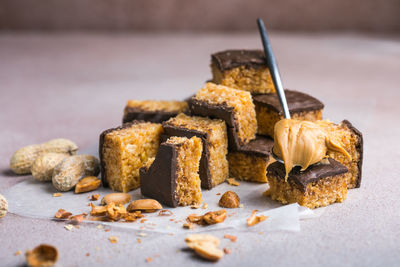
(276, 157)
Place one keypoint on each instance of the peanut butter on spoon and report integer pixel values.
(302, 143)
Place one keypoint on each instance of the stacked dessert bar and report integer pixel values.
(174, 149)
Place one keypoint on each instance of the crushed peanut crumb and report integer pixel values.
(69, 227)
(113, 239)
(253, 219)
(232, 181)
(230, 237)
(57, 195)
(227, 251)
(95, 197)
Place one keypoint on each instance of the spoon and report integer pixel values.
(276, 77)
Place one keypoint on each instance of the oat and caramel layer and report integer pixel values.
(152, 110)
(124, 150)
(250, 162)
(173, 177)
(242, 69)
(233, 106)
(213, 133)
(269, 111)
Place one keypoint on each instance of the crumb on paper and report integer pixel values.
(100, 226)
(230, 237)
(17, 253)
(77, 219)
(62, 214)
(142, 234)
(232, 181)
(241, 206)
(218, 194)
(69, 227)
(254, 219)
(87, 254)
(227, 251)
(195, 206)
(95, 197)
(149, 259)
(139, 240)
(57, 195)
(165, 213)
(209, 218)
(188, 225)
(113, 239)
(205, 205)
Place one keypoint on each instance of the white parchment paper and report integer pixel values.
(34, 199)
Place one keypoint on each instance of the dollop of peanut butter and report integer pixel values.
(302, 143)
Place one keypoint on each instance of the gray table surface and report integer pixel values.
(76, 85)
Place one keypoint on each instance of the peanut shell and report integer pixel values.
(68, 172)
(22, 160)
(3, 206)
(43, 167)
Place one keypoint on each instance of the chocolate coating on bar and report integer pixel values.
(230, 59)
(158, 116)
(359, 148)
(297, 102)
(260, 147)
(101, 143)
(220, 111)
(312, 174)
(159, 180)
(204, 169)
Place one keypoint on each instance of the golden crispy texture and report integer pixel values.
(350, 142)
(217, 142)
(154, 105)
(257, 80)
(240, 101)
(266, 118)
(126, 151)
(188, 184)
(318, 194)
(249, 167)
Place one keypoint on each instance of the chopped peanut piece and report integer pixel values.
(231, 237)
(62, 214)
(205, 245)
(253, 219)
(113, 239)
(232, 181)
(95, 197)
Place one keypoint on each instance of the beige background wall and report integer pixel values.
(200, 15)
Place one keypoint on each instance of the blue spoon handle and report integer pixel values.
(273, 68)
